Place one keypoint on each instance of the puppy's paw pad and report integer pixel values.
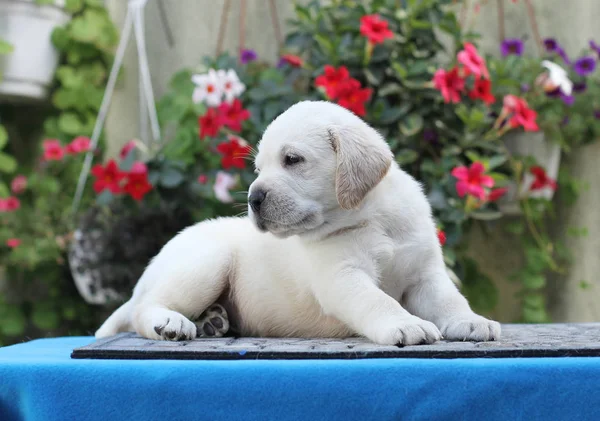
(172, 326)
(213, 323)
(407, 331)
(471, 328)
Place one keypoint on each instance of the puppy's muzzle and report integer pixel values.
(256, 199)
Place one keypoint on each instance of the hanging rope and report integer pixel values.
(133, 20)
(242, 31)
(275, 22)
(222, 27)
(501, 29)
(534, 26)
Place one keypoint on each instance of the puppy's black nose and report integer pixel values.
(256, 198)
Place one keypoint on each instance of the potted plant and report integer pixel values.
(28, 25)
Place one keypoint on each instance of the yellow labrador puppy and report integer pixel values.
(339, 241)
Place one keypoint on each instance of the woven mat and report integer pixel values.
(547, 340)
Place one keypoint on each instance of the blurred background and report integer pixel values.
(121, 122)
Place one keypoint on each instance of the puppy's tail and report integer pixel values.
(117, 322)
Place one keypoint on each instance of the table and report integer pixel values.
(40, 381)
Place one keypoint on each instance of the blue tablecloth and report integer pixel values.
(39, 381)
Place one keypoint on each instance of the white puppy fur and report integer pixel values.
(339, 242)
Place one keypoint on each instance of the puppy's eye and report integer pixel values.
(292, 160)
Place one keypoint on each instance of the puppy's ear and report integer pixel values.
(363, 159)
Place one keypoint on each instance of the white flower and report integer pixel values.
(223, 184)
(232, 86)
(557, 78)
(209, 89)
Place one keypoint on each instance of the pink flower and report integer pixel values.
(472, 180)
(202, 179)
(450, 84)
(519, 113)
(223, 184)
(542, 179)
(13, 242)
(496, 194)
(53, 150)
(127, 148)
(473, 63)
(138, 168)
(19, 184)
(78, 145)
(9, 205)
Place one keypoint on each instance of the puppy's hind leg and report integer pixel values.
(184, 279)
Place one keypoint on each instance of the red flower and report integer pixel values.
(473, 63)
(375, 29)
(496, 194)
(18, 184)
(13, 242)
(210, 123)
(483, 90)
(450, 84)
(472, 180)
(78, 145)
(292, 60)
(129, 146)
(233, 114)
(9, 205)
(53, 150)
(332, 79)
(108, 177)
(202, 179)
(519, 112)
(234, 153)
(541, 179)
(137, 185)
(353, 97)
(441, 237)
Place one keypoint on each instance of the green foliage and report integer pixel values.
(41, 298)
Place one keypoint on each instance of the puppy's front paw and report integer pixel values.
(471, 328)
(405, 331)
(172, 326)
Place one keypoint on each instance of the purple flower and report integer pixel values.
(597, 114)
(557, 93)
(585, 65)
(281, 63)
(567, 99)
(525, 87)
(563, 55)
(430, 136)
(551, 45)
(564, 121)
(246, 56)
(579, 87)
(595, 47)
(511, 46)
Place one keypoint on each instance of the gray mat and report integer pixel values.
(548, 340)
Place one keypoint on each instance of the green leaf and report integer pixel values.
(69, 123)
(73, 6)
(411, 125)
(4, 191)
(45, 318)
(533, 281)
(496, 161)
(5, 47)
(393, 114)
(486, 215)
(400, 70)
(8, 164)
(13, 321)
(170, 177)
(406, 156)
(3, 137)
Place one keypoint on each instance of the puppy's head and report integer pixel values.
(313, 159)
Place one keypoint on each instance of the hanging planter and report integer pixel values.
(27, 25)
(546, 154)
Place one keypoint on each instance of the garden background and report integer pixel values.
(193, 32)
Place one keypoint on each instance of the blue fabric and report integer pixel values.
(39, 381)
